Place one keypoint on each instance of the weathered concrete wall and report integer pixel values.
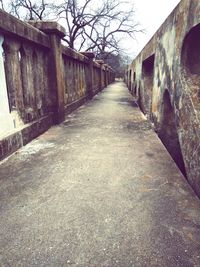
(165, 79)
(41, 80)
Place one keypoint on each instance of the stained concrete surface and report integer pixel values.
(99, 190)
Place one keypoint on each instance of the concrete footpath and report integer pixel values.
(99, 190)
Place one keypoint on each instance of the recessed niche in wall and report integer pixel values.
(190, 61)
(140, 100)
(130, 73)
(147, 77)
(168, 132)
(23, 70)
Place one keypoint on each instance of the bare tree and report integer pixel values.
(75, 19)
(30, 9)
(105, 36)
(91, 25)
(98, 26)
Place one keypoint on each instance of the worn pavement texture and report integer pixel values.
(99, 190)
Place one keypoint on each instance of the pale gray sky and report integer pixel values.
(151, 14)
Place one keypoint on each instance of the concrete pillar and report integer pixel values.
(6, 122)
(101, 62)
(90, 74)
(106, 74)
(56, 32)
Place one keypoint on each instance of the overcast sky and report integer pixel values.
(151, 14)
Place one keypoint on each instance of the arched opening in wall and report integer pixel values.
(38, 83)
(134, 85)
(135, 90)
(7, 57)
(147, 77)
(134, 75)
(168, 132)
(190, 60)
(129, 79)
(22, 57)
(140, 100)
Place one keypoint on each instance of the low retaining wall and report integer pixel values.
(41, 80)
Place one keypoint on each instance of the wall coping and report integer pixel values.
(20, 29)
(70, 53)
(49, 27)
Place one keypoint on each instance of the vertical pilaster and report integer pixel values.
(90, 74)
(101, 62)
(56, 74)
(106, 75)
